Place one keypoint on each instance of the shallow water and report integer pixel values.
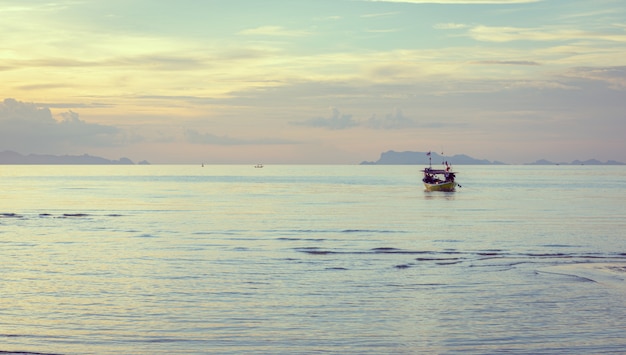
(311, 259)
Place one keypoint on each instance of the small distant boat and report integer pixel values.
(439, 179)
(258, 166)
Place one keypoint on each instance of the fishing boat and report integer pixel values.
(439, 179)
(258, 166)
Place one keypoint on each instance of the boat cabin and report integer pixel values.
(438, 176)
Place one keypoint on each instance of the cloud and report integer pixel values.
(77, 131)
(336, 120)
(165, 62)
(509, 34)
(466, 2)
(30, 128)
(389, 30)
(615, 77)
(194, 137)
(329, 18)
(396, 120)
(449, 26)
(75, 105)
(382, 14)
(278, 31)
(507, 62)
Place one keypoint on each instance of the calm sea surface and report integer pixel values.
(170, 259)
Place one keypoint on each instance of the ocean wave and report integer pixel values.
(482, 258)
(13, 215)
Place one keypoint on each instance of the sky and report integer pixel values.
(313, 82)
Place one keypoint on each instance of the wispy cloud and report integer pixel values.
(71, 105)
(478, 2)
(614, 76)
(195, 137)
(329, 18)
(389, 30)
(154, 61)
(449, 26)
(337, 120)
(507, 62)
(509, 34)
(396, 120)
(381, 14)
(277, 31)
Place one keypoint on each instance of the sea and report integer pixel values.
(311, 259)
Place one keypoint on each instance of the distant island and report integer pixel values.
(10, 157)
(421, 158)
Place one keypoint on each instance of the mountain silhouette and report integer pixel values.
(11, 157)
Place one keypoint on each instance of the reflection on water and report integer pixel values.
(441, 195)
(355, 259)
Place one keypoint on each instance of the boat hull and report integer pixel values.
(444, 186)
